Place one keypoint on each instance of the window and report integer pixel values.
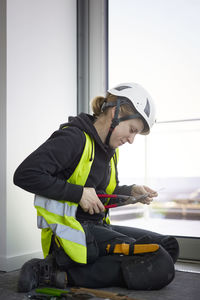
(157, 44)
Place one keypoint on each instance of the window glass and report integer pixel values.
(133, 157)
(157, 44)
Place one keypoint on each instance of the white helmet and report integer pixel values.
(134, 94)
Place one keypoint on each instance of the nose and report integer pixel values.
(131, 138)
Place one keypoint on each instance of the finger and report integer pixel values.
(100, 206)
(91, 211)
(153, 194)
(85, 210)
(149, 189)
(96, 209)
(148, 203)
(147, 200)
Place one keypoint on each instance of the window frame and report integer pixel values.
(93, 76)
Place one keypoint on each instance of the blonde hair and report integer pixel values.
(97, 102)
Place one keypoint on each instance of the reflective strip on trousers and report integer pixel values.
(55, 207)
(63, 231)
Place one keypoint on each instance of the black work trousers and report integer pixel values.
(141, 271)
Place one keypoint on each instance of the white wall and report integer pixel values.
(2, 128)
(41, 94)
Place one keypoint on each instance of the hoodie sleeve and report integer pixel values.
(42, 171)
(123, 190)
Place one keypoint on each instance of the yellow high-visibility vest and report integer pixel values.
(59, 217)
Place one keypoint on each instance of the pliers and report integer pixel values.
(122, 199)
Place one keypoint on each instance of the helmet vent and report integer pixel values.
(122, 87)
(147, 108)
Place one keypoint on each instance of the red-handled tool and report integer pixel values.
(122, 199)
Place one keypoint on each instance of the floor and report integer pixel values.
(186, 286)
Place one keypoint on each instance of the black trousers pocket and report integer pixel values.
(92, 247)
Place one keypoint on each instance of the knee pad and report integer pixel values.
(150, 271)
(171, 245)
(131, 249)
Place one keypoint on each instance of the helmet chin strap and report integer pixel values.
(116, 120)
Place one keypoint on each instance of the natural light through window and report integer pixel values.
(157, 44)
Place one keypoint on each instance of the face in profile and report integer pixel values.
(125, 132)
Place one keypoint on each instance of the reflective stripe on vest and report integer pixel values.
(63, 231)
(59, 217)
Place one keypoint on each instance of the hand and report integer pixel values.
(90, 202)
(138, 190)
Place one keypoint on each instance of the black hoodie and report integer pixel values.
(45, 171)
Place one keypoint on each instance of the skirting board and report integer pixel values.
(13, 263)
